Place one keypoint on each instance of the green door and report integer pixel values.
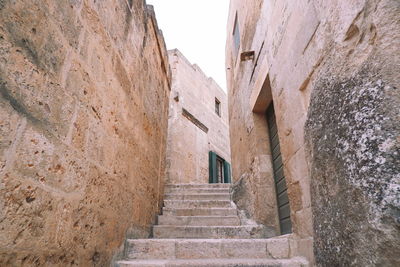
(219, 169)
(212, 166)
(280, 182)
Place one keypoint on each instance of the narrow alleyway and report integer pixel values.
(118, 150)
(200, 226)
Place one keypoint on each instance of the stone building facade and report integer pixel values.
(313, 89)
(84, 91)
(197, 125)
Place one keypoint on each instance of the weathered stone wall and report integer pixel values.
(251, 157)
(261, 30)
(188, 144)
(84, 93)
(330, 69)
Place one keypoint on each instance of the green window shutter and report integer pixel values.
(212, 162)
(227, 172)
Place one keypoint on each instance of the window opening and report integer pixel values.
(218, 107)
(236, 35)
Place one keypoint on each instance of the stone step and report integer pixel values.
(199, 220)
(243, 231)
(192, 186)
(245, 262)
(197, 203)
(275, 248)
(201, 196)
(200, 211)
(189, 191)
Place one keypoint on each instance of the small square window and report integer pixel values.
(218, 107)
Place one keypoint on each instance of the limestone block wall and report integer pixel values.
(329, 69)
(188, 144)
(84, 89)
(251, 157)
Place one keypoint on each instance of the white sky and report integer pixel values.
(198, 29)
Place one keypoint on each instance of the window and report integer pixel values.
(236, 35)
(218, 107)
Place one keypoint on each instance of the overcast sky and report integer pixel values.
(198, 29)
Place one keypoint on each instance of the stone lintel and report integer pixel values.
(261, 95)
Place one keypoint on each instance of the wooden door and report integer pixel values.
(280, 182)
(220, 169)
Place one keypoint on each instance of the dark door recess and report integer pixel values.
(280, 182)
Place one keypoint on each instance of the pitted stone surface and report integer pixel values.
(83, 127)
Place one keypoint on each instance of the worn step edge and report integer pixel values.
(217, 232)
(196, 190)
(197, 204)
(192, 205)
(200, 196)
(199, 211)
(198, 220)
(196, 201)
(294, 262)
(198, 185)
(276, 248)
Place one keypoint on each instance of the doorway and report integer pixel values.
(279, 176)
(220, 169)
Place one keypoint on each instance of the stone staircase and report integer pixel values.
(199, 227)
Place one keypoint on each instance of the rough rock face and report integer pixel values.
(352, 133)
(84, 91)
(355, 169)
